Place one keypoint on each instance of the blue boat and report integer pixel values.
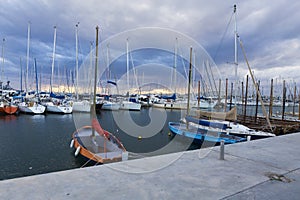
(200, 134)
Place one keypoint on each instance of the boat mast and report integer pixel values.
(27, 57)
(21, 77)
(93, 107)
(53, 58)
(77, 71)
(96, 67)
(127, 63)
(36, 78)
(1, 80)
(235, 56)
(189, 87)
(189, 82)
(175, 65)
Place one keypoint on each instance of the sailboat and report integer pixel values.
(125, 104)
(6, 104)
(79, 105)
(56, 104)
(200, 134)
(32, 105)
(92, 142)
(224, 123)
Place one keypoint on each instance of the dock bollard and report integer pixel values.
(248, 137)
(222, 146)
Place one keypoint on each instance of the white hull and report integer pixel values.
(107, 105)
(32, 109)
(171, 105)
(204, 104)
(235, 129)
(127, 105)
(81, 106)
(59, 109)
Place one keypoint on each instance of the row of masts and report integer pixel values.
(26, 81)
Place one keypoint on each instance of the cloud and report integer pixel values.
(269, 29)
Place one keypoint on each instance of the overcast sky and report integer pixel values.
(269, 30)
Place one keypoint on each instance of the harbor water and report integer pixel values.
(37, 144)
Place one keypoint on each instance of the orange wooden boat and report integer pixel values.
(97, 145)
(94, 143)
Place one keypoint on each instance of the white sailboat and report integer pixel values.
(110, 105)
(125, 104)
(31, 105)
(56, 105)
(78, 105)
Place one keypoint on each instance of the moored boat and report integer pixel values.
(109, 105)
(94, 143)
(60, 108)
(201, 135)
(227, 127)
(8, 108)
(99, 147)
(31, 108)
(81, 106)
(128, 105)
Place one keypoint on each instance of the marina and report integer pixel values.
(148, 113)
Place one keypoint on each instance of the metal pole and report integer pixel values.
(198, 94)
(283, 99)
(226, 94)
(189, 85)
(256, 103)
(222, 150)
(271, 100)
(246, 98)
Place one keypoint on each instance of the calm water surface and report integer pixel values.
(37, 144)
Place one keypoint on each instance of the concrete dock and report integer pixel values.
(261, 169)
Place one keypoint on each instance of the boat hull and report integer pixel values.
(110, 106)
(176, 106)
(203, 134)
(130, 106)
(32, 109)
(91, 149)
(81, 106)
(59, 109)
(9, 109)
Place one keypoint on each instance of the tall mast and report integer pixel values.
(93, 107)
(235, 55)
(2, 69)
(96, 68)
(127, 63)
(90, 72)
(21, 77)
(36, 78)
(27, 57)
(175, 65)
(77, 70)
(53, 58)
(189, 82)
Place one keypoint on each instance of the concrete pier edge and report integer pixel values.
(261, 169)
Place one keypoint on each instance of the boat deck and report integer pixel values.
(98, 144)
